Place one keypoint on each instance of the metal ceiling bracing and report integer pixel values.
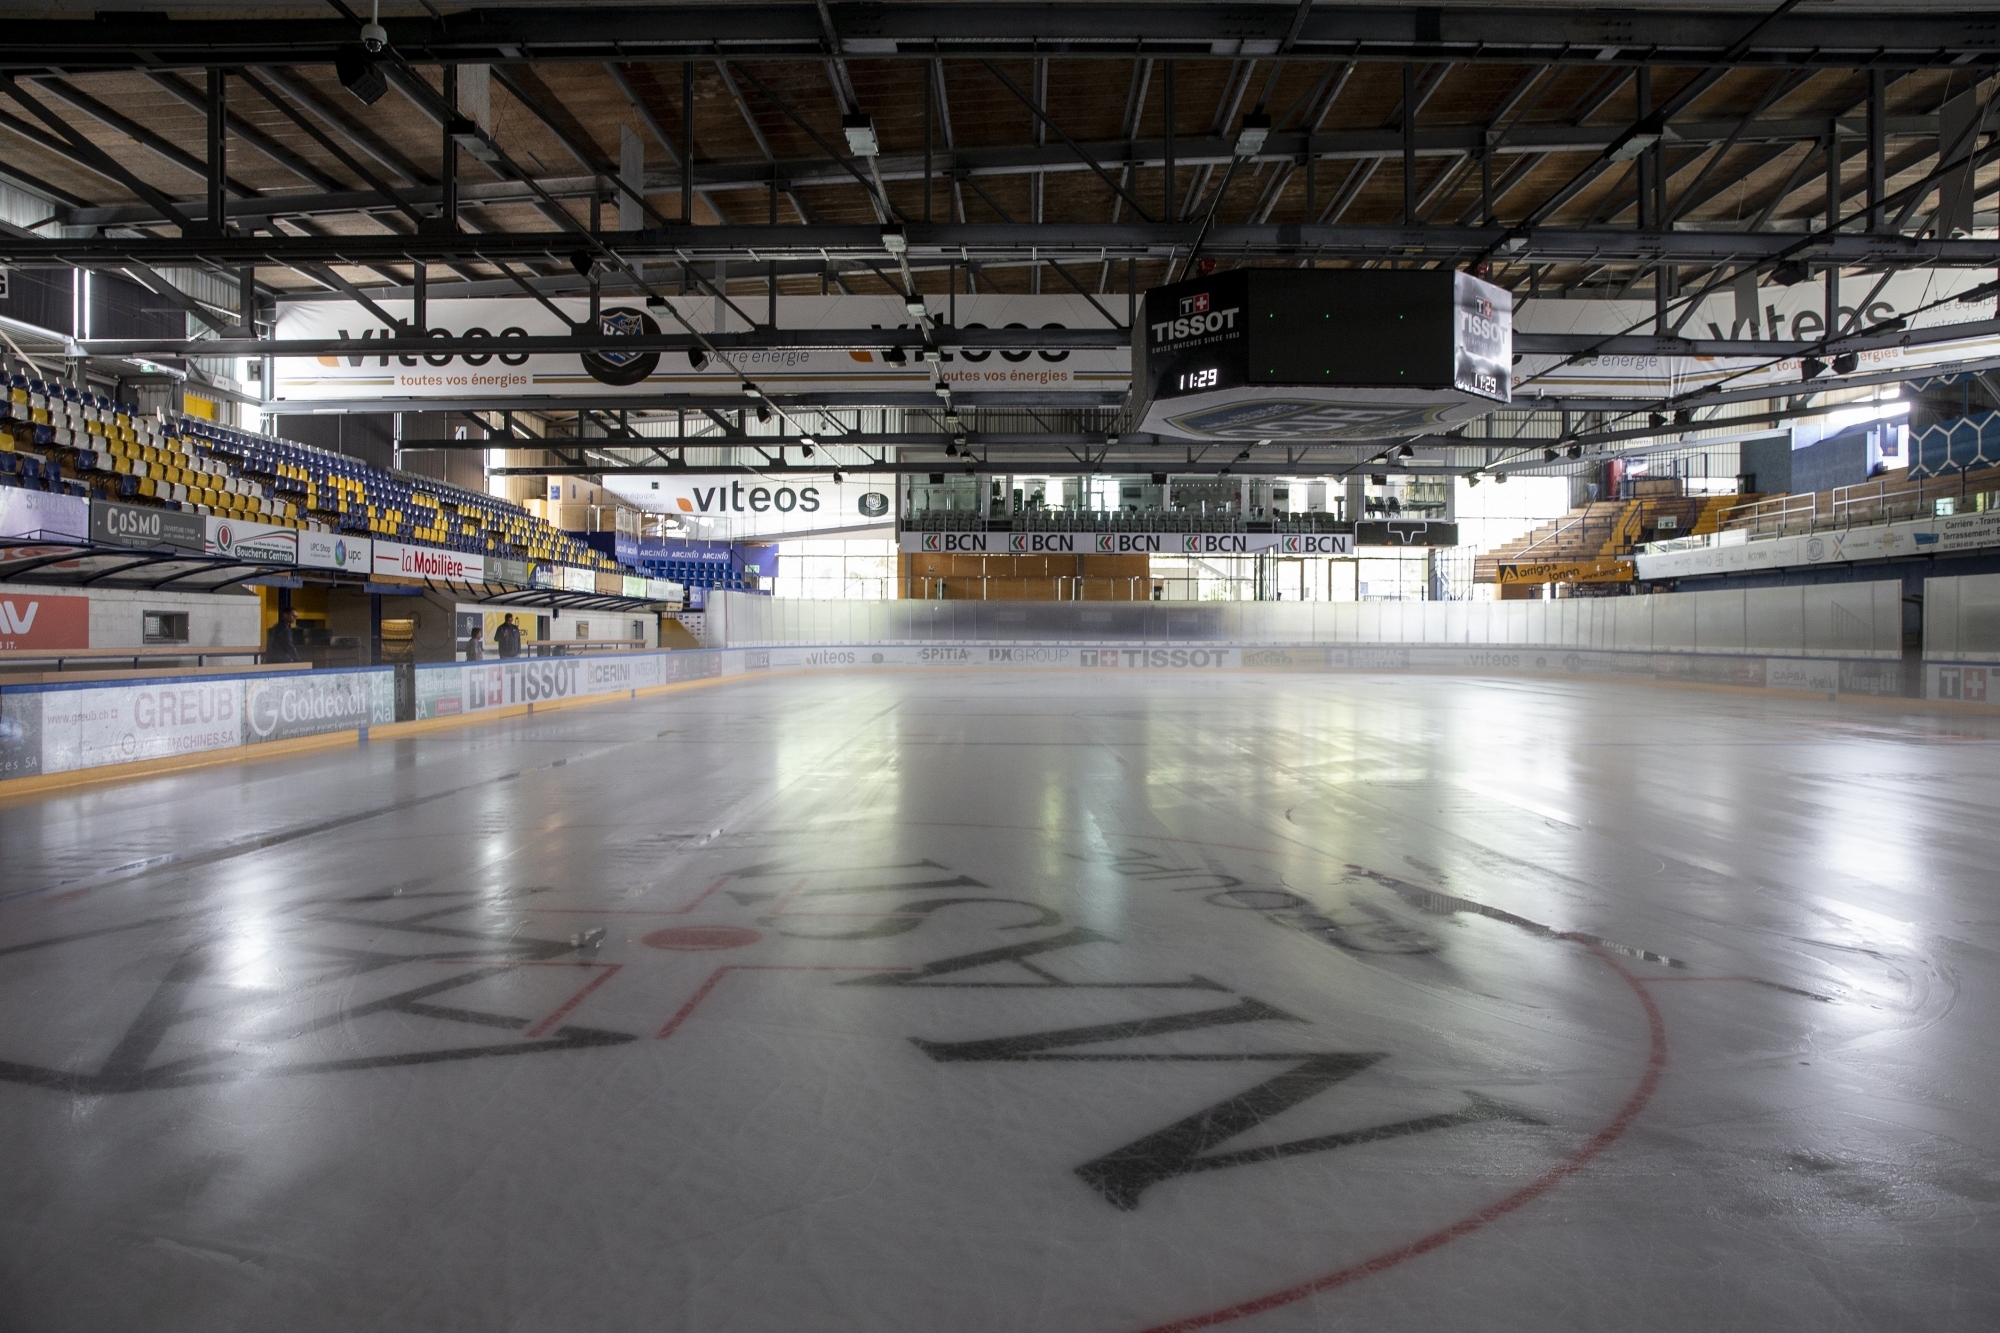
(1575, 150)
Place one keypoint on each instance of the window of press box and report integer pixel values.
(166, 627)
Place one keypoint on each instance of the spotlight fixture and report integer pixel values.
(1471, 479)
(806, 445)
(860, 132)
(1656, 419)
(763, 411)
(1790, 274)
(943, 391)
(1111, 440)
(1499, 479)
(1846, 363)
(583, 261)
(1378, 479)
(1245, 454)
(1811, 368)
(1575, 451)
(958, 440)
(1256, 129)
(937, 478)
(915, 307)
(951, 421)
(894, 241)
(359, 75)
(1406, 452)
(697, 357)
(750, 390)
(1550, 455)
(951, 450)
(1684, 416)
(836, 478)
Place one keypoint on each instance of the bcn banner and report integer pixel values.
(1129, 543)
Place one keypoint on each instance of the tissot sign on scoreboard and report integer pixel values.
(1263, 354)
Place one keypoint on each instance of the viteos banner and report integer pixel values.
(725, 506)
(504, 372)
(1129, 543)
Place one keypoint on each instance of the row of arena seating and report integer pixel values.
(92, 445)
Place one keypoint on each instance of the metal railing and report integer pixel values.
(1099, 520)
(1883, 500)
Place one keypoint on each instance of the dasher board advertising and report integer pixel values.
(33, 619)
(146, 528)
(503, 372)
(1128, 543)
(40, 516)
(336, 550)
(261, 543)
(395, 560)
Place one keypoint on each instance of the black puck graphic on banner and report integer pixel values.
(622, 368)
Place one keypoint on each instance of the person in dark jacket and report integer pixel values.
(282, 643)
(508, 638)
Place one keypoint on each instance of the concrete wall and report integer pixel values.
(117, 616)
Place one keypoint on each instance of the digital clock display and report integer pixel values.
(1200, 379)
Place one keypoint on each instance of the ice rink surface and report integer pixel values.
(989, 1003)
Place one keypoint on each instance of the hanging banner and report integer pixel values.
(732, 506)
(1128, 543)
(1752, 316)
(503, 372)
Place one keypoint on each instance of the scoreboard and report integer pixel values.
(1303, 354)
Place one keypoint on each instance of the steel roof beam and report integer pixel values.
(946, 240)
(1885, 37)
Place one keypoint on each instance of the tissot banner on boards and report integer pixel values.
(736, 506)
(503, 372)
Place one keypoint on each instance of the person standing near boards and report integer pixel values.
(475, 642)
(281, 644)
(508, 637)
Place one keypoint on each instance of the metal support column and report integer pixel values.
(218, 153)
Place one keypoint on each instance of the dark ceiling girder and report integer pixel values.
(1347, 145)
(1086, 28)
(1092, 240)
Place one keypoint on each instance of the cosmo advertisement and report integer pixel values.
(502, 372)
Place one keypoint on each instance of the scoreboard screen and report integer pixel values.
(1321, 355)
